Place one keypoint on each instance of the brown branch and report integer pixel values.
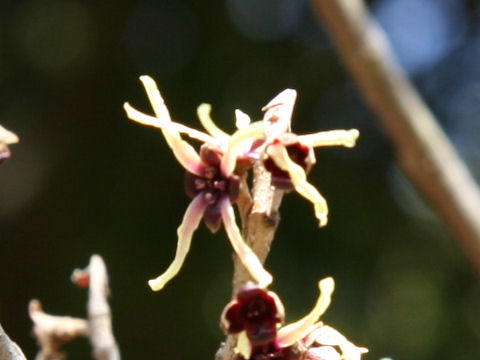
(8, 349)
(423, 150)
(99, 314)
(260, 215)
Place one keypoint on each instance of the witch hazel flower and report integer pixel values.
(289, 157)
(256, 316)
(211, 180)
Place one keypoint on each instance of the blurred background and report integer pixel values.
(85, 180)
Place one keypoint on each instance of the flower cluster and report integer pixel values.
(256, 316)
(213, 173)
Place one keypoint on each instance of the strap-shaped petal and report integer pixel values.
(183, 152)
(171, 126)
(243, 251)
(279, 155)
(291, 333)
(190, 223)
(203, 113)
(242, 120)
(345, 138)
(239, 142)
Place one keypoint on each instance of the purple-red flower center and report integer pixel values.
(212, 185)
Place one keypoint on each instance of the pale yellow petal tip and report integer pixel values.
(156, 284)
(128, 108)
(258, 273)
(243, 345)
(147, 81)
(242, 119)
(354, 134)
(326, 286)
(322, 219)
(203, 110)
(265, 280)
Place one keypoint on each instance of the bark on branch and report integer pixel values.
(423, 150)
(260, 217)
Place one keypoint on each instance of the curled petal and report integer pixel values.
(190, 222)
(203, 113)
(184, 153)
(279, 155)
(170, 126)
(242, 119)
(345, 138)
(243, 251)
(281, 106)
(326, 335)
(239, 142)
(291, 333)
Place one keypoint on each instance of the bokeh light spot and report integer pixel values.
(265, 20)
(162, 36)
(53, 35)
(422, 32)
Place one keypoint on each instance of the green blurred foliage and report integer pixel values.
(85, 180)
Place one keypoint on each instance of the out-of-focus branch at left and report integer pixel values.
(8, 349)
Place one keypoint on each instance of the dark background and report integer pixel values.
(85, 180)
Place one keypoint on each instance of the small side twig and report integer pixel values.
(99, 314)
(8, 349)
(52, 331)
(424, 152)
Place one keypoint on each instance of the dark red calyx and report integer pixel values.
(256, 312)
(212, 185)
(300, 154)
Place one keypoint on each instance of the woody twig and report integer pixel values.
(53, 331)
(99, 314)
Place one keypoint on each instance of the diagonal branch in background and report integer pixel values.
(423, 150)
(8, 349)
